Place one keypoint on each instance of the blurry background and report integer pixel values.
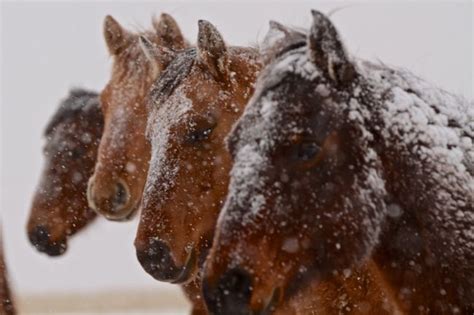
(47, 48)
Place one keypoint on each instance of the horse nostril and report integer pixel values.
(111, 200)
(232, 294)
(156, 260)
(40, 237)
(121, 195)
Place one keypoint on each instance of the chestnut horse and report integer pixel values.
(60, 208)
(116, 187)
(337, 161)
(6, 302)
(195, 103)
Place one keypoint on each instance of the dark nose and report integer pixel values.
(232, 294)
(111, 202)
(156, 259)
(41, 239)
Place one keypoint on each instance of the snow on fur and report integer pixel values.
(431, 126)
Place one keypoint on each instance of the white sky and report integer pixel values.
(48, 48)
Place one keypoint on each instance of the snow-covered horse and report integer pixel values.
(195, 102)
(115, 190)
(6, 302)
(60, 208)
(337, 161)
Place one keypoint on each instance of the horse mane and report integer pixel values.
(79, 100)
(180, 67)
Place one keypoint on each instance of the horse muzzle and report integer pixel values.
(113, 201)
(40, 238)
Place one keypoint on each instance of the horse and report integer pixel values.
(338, 160)
(194, 105)
(60, 208)
(116, 187)
(6, 302)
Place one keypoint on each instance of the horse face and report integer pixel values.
(188, 175)
(60, 207)
(304, 197)
(116, 187)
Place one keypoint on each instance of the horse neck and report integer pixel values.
(426, 203)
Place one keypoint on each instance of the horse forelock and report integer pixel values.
(76, 105)
(172, 77)
(265, 106)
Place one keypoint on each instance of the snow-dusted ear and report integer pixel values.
(276, 33)
(116, 37)
(212, 51)
(158, 56)
(278, 36)
(168, 32)
(327, 50)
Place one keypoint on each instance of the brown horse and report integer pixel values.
(195, 103)
(60, 208)
(116, 187)
(337, 161)
(6, 302)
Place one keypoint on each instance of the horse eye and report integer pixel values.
(76, 152)
(199, 135)
(307, 150)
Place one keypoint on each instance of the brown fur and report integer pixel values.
(179, 214)
(318, 162)
(123, 152)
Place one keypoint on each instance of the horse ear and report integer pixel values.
(158, 56)
(276, 26)
(327, 50)
(212, 51)
(277, 35)
(169, 32)
(116, 37)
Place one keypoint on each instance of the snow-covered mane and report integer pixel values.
(78, 100)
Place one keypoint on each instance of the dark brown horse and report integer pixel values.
(6, 302)
(60, 208)
(115, 190)
(195, 103)
(337, 161)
